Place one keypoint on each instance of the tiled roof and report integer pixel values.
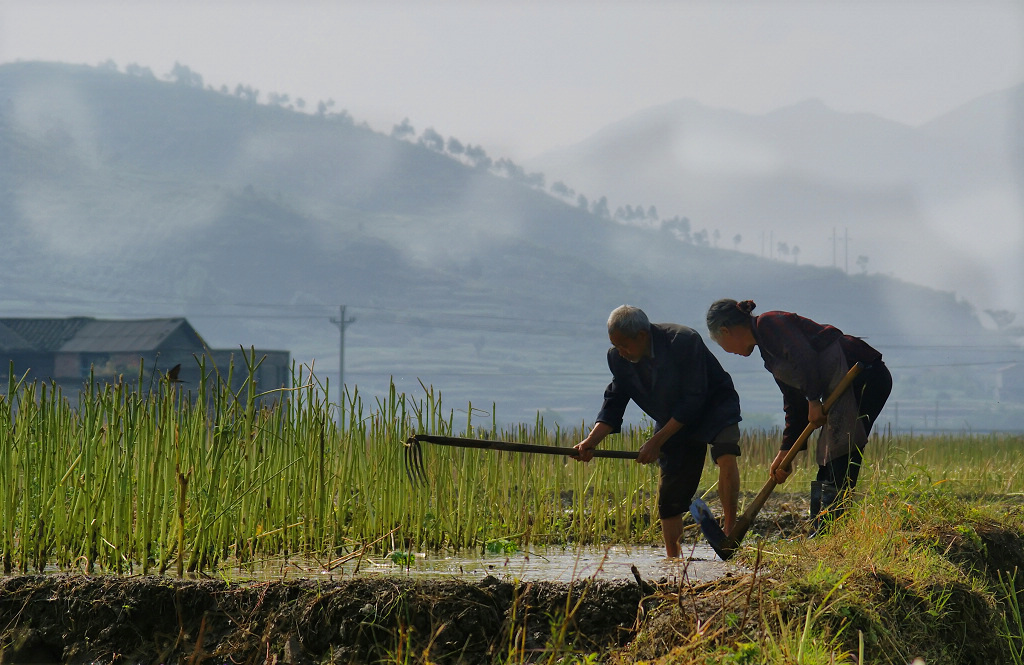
(88, 335)
(113, 336)
(12, 341)
(45, 334)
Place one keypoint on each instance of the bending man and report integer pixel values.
(667, 370)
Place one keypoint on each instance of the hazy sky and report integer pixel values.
(520, 77)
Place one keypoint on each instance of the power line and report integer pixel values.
(597, 374)
(444, 321)
(993, 362)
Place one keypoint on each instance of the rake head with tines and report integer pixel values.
(414, 461)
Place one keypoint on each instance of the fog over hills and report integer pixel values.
(127, 195)
(920, 203)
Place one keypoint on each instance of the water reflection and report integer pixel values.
(546, 564)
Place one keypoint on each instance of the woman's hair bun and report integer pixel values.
(726, 313)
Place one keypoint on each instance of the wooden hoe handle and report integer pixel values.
(743, 521)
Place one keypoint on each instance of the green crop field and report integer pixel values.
(144, 478)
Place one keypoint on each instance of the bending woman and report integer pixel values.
(808, 360)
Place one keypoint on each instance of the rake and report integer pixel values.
(414, 453)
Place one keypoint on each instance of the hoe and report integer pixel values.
(725, 545)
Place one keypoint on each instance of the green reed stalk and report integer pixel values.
(149, 474)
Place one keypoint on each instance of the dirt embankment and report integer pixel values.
(72, 618)
(76, 618)
(79, 619)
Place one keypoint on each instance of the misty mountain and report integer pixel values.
(128, 195)
(911, 200)
(988, 128)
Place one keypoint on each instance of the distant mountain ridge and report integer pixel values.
(126, 196)
(909, 198)
(990, 123)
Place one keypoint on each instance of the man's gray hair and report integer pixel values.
(628, 320)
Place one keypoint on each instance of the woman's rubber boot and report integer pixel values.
(826, 507)
(815, 499)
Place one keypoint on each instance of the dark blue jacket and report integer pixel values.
(689, 385)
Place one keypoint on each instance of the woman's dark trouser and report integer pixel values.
(872, 387)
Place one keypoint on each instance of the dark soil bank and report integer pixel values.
(76, 618)
(79, 619)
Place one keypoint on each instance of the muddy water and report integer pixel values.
(566, 565)
(699, 563)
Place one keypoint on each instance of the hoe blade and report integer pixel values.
(720, 542)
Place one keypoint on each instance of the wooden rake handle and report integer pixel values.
(414, 458)
(517, 447)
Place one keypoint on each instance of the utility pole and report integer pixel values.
(342, 322)
(833, 247)
(846, 249)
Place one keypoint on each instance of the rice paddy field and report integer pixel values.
(168, 479)
(131, 480)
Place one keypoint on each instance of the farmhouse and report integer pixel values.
(69, 351)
